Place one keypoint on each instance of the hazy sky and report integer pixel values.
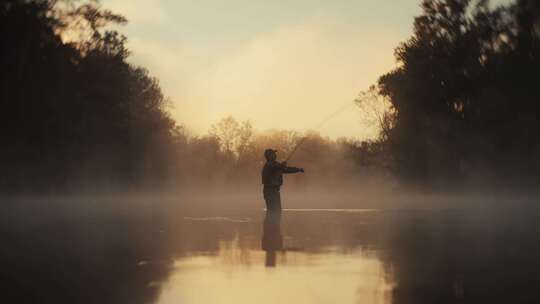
(281, 63)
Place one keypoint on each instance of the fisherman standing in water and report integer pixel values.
(272, 179)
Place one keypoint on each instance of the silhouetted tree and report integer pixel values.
(72, 107)
(465, 95)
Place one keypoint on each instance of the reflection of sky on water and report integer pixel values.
(239, 275)
(127, 253)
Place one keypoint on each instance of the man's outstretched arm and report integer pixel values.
(286, 169)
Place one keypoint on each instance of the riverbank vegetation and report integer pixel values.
(460, 109)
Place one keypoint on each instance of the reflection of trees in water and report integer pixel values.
(428, 256)
(74, 253)
(90, 252)
(83, 256)
(453, 258)
(78, 258)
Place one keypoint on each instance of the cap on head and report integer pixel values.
(269, 153)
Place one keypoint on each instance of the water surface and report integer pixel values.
(152, 252)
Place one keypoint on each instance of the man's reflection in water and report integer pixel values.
(272, 240)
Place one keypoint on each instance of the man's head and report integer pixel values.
(270, 154)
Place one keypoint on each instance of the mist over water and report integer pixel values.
(190, 250)
(104, 198)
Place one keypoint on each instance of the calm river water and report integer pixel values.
(83, 252)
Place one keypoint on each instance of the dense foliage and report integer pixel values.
(72, 107)
(462, 105)
(465, 95)
(76, 115)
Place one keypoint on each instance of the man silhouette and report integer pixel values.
(272, 179)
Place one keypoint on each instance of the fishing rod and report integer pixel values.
(319, 125)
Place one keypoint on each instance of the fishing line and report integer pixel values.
(319, 125)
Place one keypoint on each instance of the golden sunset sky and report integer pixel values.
(282, 64)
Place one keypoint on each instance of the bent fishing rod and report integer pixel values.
(318, 126)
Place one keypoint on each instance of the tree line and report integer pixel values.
(72, 107)
(76, 115)
(465, 104)
(461, 106)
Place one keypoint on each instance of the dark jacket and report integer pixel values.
(272, 173)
